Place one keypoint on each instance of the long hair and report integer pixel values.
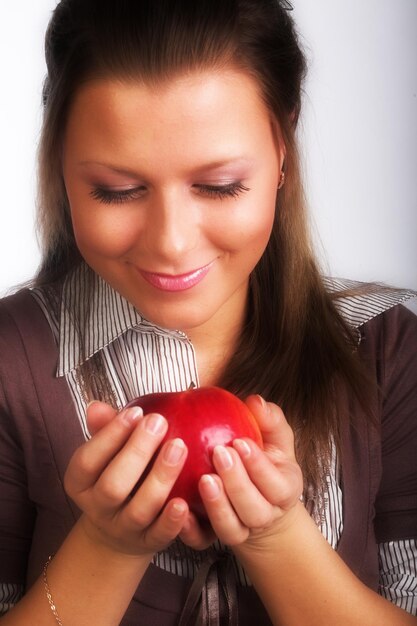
(295, 348)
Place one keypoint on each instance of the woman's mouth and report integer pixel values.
(177, 282)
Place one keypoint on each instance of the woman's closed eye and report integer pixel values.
(119, 196)
(230, 190)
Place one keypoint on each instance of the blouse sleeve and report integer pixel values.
(398, 573)
(17, 512)
(10, 594)
(396, 504)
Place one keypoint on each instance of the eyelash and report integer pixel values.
(107, 196)
(231, 190)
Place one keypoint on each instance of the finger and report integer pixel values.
(153, 493)
(276, 432)
(167, 526)
(223, 519)
(98, 415)
(281, 482)
(121, 475)
(197, 534)
(89, 461)
(251, 506)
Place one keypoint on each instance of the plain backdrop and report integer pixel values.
(358, 135)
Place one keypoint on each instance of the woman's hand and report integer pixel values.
(255, 492)
(103, 475)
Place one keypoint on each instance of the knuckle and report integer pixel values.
(168, 529)
(277, 409)
(277, 413)
(164, 477)
(139, 518)
(142, 454)
(237, 537)
(111, 490)
(82, 459)
(262, 520)
(286, 494)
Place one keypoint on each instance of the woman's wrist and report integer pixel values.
(110, 546)
(102, 578)
(266, 543)
(87, 582)
(296, 557)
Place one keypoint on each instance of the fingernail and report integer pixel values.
(242, 447)
(91, 402)
(177, 510)
(174, 451)
(211, 487)
(262, 402)
(155, 424)
(223, 457)
(133, 414)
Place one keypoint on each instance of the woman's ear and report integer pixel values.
(280, 147)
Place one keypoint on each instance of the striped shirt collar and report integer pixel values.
(374, 299)
(90, 303)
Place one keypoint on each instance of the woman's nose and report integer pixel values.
(172, 228)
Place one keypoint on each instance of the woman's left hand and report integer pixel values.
(255, 491)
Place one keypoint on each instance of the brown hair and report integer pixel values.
(295, 347)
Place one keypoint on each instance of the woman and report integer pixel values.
(176, 253)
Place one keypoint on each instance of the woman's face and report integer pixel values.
(172, 192)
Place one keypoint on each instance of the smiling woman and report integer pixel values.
(162, 183)
(176, 253)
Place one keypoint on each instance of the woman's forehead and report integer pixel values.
(213, 117)
(191, 90)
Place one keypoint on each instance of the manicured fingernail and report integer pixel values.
(177, 510)
(223, 457)
(211, 487)
(262, 402)
(133, 414)
(155, 424)
(174, 451)
(242, 447)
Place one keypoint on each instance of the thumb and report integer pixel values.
(275, 430)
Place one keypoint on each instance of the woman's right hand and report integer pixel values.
(103, 474)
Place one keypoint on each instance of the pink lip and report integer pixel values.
(180, 282)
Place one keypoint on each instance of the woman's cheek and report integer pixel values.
(104, 233)
(251, 226)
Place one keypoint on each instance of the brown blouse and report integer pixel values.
(39, 432)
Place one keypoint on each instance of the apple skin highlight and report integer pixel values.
(203, 418)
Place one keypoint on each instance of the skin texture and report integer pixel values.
(164, 139)
(174, 145)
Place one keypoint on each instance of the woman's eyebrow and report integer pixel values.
(234, 162)
(219, 164)
(109, 166)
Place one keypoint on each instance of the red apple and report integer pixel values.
(203, 418)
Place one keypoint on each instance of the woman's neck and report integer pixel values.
(214, 347)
